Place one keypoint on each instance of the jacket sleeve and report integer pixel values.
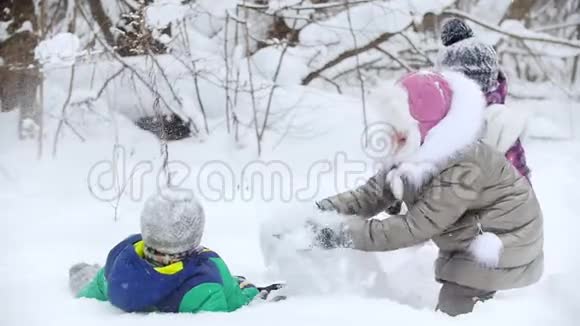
(365, 201)
(96, 288)
(443, 201)
(225, 297)
(236, 296)
(204, 297)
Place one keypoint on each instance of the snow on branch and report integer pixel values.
(394, 57)
(522, 35)
(345, 55)
(302, 7)
(557, 26)
(143, 80)
(100, 92)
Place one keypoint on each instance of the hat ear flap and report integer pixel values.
(429, 97)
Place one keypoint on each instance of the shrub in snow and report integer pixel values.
(165, 126)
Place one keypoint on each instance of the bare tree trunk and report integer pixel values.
(19, 75)
(40, 107)
(103, 20)
(575, 64)
(520, 10)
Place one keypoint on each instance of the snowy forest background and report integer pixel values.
(171, 55)
(260, 107)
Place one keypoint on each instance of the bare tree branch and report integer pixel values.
(414, 46)
(102, 89)
(274, 80)
(129, 67)
(547, 39)
(198, 96)
(545, 71)
(63, 110)
(300, 7)
(556, 26)
(165, 78)
(358, 72)
(332, 82)
(251, 78)
(226, 56)
(345, 55)
(403, 64)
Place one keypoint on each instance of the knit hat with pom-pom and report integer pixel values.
(465, 53)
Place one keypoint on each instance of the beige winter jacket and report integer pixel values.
(476, 191)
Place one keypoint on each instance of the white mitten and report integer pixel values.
(414, 173)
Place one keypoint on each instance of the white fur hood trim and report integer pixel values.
(460, 128)
(504, 126)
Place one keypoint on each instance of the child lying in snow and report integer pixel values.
(164, 268)
(460, 192)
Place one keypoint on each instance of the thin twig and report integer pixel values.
(332, 82)
(395, 58)
(274, 80)
(78, 134)
(552, 40)
(414, 46)
(300, 7)
(252, 95)
(199, 101)
(359, 73)
(63, 110)
(556, 26)
(165, 78)
(363, 66)
(118, 58)
(346, 55)
(226, 56)
(545, 71)
(102, 89)
(40, 115)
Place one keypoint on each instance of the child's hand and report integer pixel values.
(324, 205)
(414, 173)
(326, 237)
(395, 208)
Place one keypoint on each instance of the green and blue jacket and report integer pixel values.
(201, 282)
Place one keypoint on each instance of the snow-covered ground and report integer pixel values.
(50, 219)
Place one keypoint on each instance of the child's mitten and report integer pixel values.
(80, 275)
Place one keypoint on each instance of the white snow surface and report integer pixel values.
(58, 51)
(161, 13)
(58, 211)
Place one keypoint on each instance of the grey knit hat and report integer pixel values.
(172, 223)
(465, 53)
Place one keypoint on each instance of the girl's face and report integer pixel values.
(394, 137)
(407, 141)
(393, 134)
